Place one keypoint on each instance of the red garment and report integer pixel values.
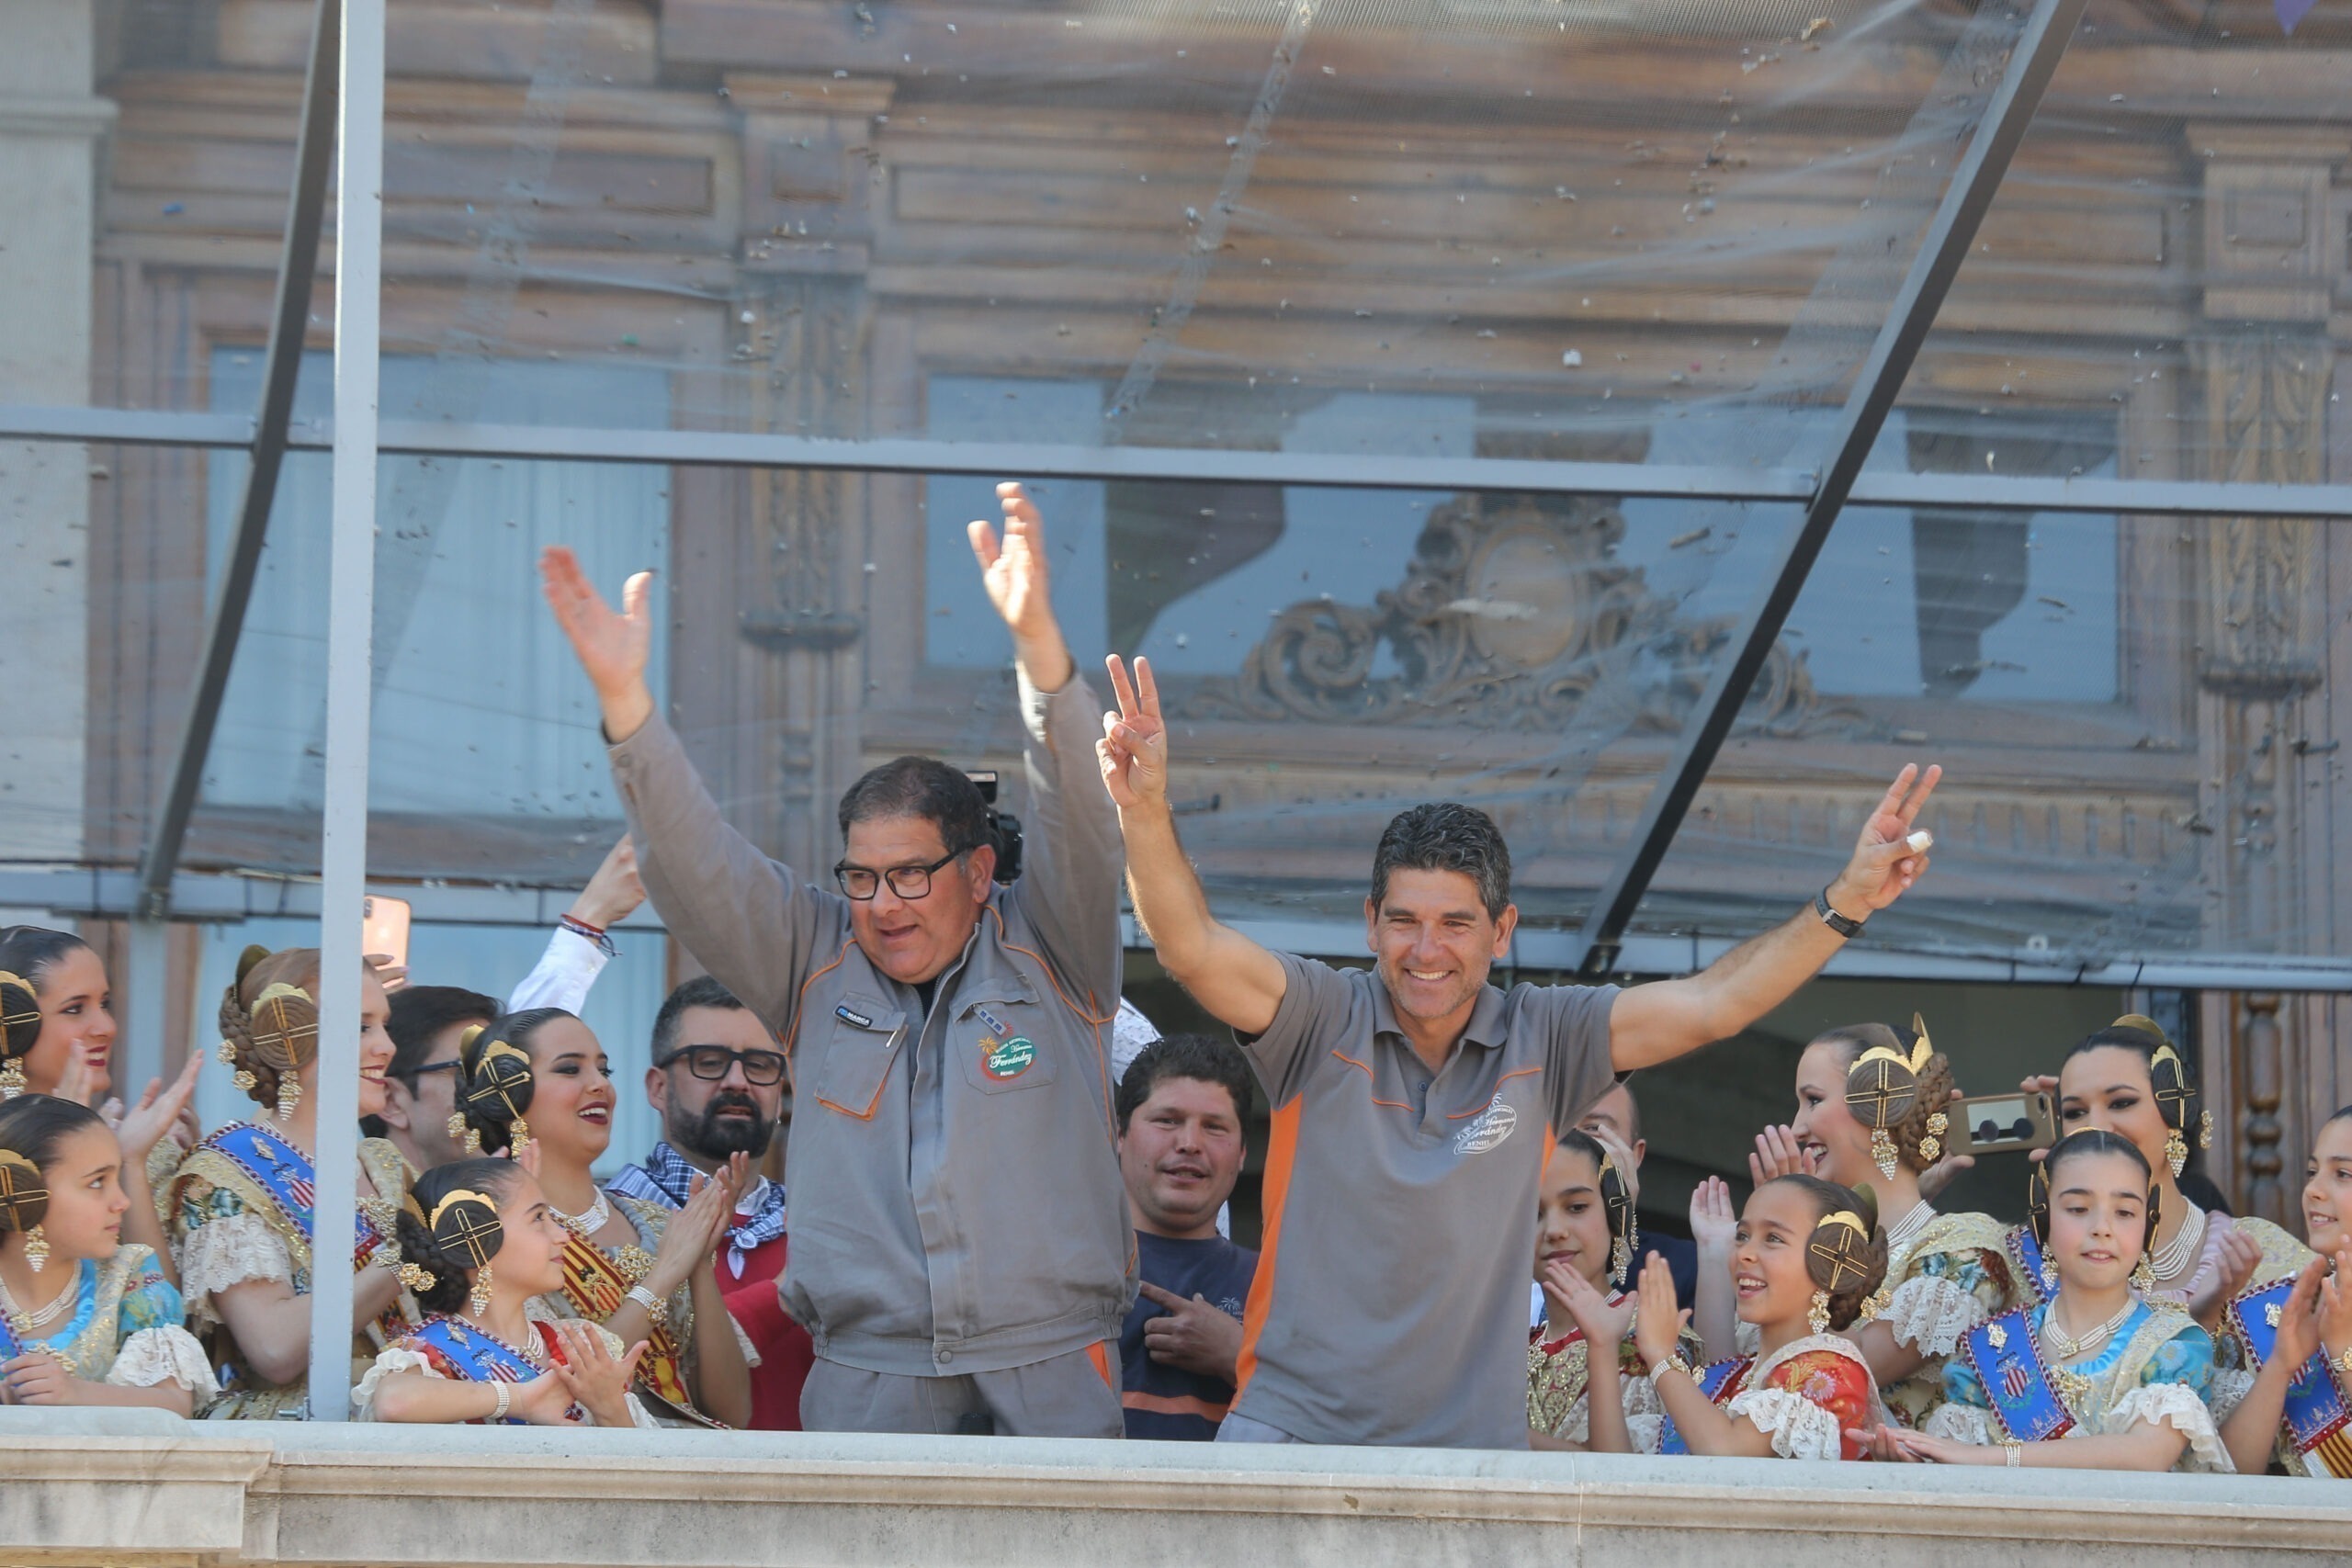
(1839, 1383)
(786, 1352)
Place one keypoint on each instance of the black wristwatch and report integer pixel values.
(1832, 918)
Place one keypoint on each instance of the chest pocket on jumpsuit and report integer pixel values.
(996, 1039)
(861, 1041)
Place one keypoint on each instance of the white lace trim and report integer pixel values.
(387, 1362)
(2227, 1391)
(1576, 1424)
(228, 1251)
(1961, 1423)
(2176, 1406)
(1747, 1339)
(1645, 1432)
(1799, 1428)
(165, 1354)
(639, 1416)
(1931, 1316)
(742, 1337)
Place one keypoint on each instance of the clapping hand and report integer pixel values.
(598, 1382)
(1574, 1297)
(141, 1127)
(1779, 1154)
(1657, 1322)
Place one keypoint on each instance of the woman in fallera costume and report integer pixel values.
(2295, 1332)
(85, 1317)
(241, 1203)
(1806, 1257)
(479, 1245)
(640, 1268)
(1584, 1248)
(2099, 1376)
(1872, 1110)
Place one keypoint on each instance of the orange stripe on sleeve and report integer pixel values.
(1281, 1145)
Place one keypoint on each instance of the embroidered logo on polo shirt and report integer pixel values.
(1006, 1058)
(1494, 1124)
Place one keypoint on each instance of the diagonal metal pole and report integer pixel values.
(297, 267)
(1975, 180)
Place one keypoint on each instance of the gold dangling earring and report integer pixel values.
(1882, 1153)
(478, 1297)
(2204, 1129)
(2143, 1276)
(517, 1135)
(290, 1094)
(36, 1249)
(1816, 1318)
(1621, 1257)
(12, 1078)
(2176, 1151)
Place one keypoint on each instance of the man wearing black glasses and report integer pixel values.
(718, 1083)
(961, 1254)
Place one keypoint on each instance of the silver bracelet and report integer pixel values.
(505, 1398)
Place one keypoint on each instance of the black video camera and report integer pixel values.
(1002, 824)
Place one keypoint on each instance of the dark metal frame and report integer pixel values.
(2032, 63)
(297, 271)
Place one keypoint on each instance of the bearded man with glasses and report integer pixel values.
(961, 1252)
(718, 1083)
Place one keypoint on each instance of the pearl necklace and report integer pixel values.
(2176, 1257)
(599, 1215)
(21, 1319)
(1905, 1230)
(2067, 1348)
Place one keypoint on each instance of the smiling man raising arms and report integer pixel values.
(1414, 1104)
(961, 1256)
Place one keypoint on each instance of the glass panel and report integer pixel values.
(2139, 719)
(2168, 257)
(1553, 225)
(485, 757)
(492, 959)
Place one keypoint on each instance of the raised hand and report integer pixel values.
(390, 975)
(2239, 1256)
(1134, 748)
(1713, 1219)
(1885, 864)
(613, 892)
(1621, 1157)
(1779, 1154)
(144, 1124)
(613, 648)
(1573, 1296)
(1657, 1322)
(692, 1234)
(1016, 574)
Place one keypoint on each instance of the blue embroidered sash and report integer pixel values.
(477, 1357)
(285, 1173)
(10, 1346)
(2008, 1363)
(1718, 1381)
(2039, 1278)
(2316, 1407)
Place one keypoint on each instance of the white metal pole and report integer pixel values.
(143, 1051)
(351, 613)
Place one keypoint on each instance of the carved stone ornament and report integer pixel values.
(1510, 616)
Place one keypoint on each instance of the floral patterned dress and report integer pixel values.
(1945, 1274)
(1557, 1373)
(127, 1327)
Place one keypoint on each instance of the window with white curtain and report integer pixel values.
(480, 707)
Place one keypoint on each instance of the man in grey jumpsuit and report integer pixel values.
(960, 1249)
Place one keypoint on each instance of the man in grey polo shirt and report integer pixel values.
(1414, 1104)
(961, 1250)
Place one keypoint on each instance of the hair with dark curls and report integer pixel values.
(1936, 1082)
(486, 1113)
(1829, 1198)
(257, 970)
(493, 1176)
(31, 1126)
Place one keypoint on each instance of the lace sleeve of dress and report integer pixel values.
(166, 1354)
(226, 1250)
(1961, 1423)
(2176, 1406)
(1799, 1428)
(2227, 1391)
(1948, 1294)
(392, 1359)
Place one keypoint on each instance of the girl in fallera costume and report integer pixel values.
(538, 1078)
(2293, 1328)
(241, 1203)
(57, 1037)
(480, 1246)
(2127, 1079)
(1584, 1249)
(85, 1317)
(1808, 1256)
(1872, 1110)
(2100, 1377)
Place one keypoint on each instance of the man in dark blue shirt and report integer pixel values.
(1180, 1107)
